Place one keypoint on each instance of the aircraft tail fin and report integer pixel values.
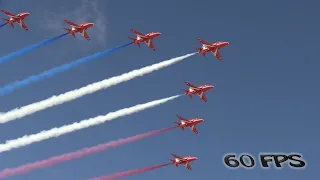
(200, 51)
(174, 162)
(9, 22)
(187, 93)
(179, 125)
(70, 31)
(135, 41)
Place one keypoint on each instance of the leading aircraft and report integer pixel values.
(199, 90)
(79, 28)
(189, 123)
(214, 48)
(185, 161)
(147, 38)
(16, 19)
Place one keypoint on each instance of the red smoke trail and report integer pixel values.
(77, 154)
(130, 172)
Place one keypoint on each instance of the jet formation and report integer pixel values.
(74, 27)
(147, 38)
(183, 124)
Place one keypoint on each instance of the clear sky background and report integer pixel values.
(266, 95)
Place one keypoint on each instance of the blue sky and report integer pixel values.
(265, 97)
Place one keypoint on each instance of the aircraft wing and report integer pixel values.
(85, 34)
(187, 165)
(190, 85)
(203, 42)
(71, 23)
(137, 33)
(8, 13)
(194, 129)
(176, 156)
(216, 53)
(203, 96)
(181, 118)
(22, 24)
(150, 44)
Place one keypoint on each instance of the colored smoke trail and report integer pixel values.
(77, 154)
(19, 84)
(130, 172)
(3, 24)
(29, 48)
(59, 131)
(89, 89)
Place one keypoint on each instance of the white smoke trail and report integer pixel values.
(59, 131)
(89, 89)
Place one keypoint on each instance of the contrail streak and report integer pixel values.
(130, 172)
(3, 24)
(63, 68)
(29, 48)
(59, 131)
(89, 89)
(77, 154)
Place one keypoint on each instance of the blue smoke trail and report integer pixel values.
(29, 48)
(3, 24)
(31, 79)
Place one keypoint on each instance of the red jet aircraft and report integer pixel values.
(214, 48)
(200, 90)
(189, 123)
(185, 161)
(16, 18)
(79, 28)
(147, 38)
